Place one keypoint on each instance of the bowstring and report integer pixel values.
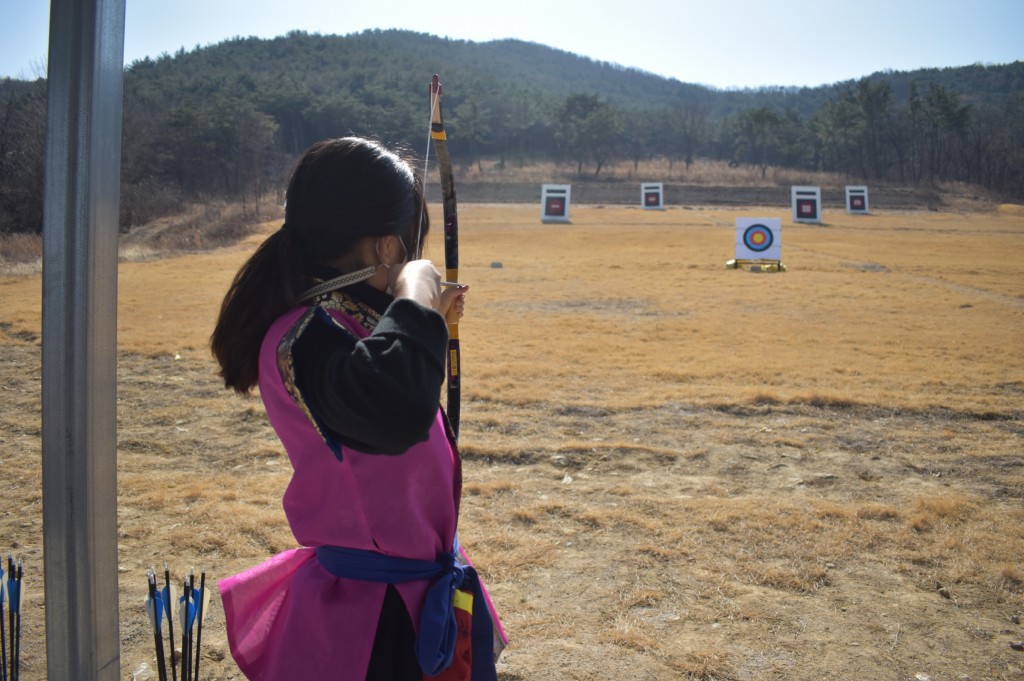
(434, 99)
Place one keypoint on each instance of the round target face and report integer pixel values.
(555, 206)
(758, 238)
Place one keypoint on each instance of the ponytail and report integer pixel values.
(267, 286)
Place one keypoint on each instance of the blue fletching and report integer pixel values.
(165, 595)
(191, 617)
(154, 607)
(14, 596)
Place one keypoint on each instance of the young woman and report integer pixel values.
(346, 340)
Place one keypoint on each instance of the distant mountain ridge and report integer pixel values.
(549, 73)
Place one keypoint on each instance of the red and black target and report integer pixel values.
(758, 238)
(856, 202)
(652, 198)
(807, 208)
(555, 206)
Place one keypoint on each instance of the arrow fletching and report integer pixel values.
(167, 596)
(206, 602)
(13, 590)
(154, 603)
(186, 612)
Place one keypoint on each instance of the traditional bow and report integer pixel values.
(451, 245)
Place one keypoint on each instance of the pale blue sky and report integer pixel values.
(724, 43)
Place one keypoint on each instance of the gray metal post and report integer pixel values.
(79, 376)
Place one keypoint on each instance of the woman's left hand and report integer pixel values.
(453, 303)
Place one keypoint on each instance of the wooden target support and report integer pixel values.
(554, 202)
(755, 265)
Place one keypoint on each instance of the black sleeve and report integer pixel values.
(379, 394)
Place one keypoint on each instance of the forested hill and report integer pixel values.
(401, 62)
(227, 120)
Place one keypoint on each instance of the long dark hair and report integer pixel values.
(341, 191)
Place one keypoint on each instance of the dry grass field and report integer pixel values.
(673, 470)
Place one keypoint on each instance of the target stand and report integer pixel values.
(857, 200)
(755, 265)
(806, 204)
(554, 202)
(758, 245)
(652, 196)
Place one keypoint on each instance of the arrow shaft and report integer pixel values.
(199, 616)
(155, 607)
(3, 628)
(14, 603)
(12, 609)
(169, 603)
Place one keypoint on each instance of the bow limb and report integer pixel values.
(451, 246)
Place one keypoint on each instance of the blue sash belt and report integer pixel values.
(435, 645)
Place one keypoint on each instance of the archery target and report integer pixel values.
(554, 204)
(806, 204)
(758, 239)
(856, 199)
(807, 208)
(651, 195)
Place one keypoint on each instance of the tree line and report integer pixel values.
(226, 121)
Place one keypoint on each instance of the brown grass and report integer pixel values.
(673, 470)
(702, 172)
(21, 254)
(199, 227)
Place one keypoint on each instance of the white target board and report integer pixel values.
(554, 202)
(806, 204)
(652, 195)
(758, 239)
(857, 200)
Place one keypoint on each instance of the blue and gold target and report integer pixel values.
(758, 239)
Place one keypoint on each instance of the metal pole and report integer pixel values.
(79, 375)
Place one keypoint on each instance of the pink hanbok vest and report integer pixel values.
(288, 618)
